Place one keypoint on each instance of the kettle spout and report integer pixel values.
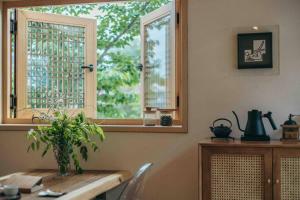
(238, 121)
(211, 129)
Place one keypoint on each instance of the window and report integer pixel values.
(53, 51)
(158, 58)
(110, 60)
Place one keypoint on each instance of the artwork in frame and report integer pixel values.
(255, 50)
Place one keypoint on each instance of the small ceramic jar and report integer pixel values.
(150, 116)
(166, 117)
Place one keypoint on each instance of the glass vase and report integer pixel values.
(62, 156)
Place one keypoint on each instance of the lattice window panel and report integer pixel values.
(54, 74)
(290, 178)
(158, 37)
(237, 177)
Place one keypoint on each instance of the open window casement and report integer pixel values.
(158, 58)
(55, 59)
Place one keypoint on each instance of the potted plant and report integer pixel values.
(68, 137)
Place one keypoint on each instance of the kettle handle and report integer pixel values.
(222, 119)
(269, 116)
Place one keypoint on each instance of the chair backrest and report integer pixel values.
(135, 185)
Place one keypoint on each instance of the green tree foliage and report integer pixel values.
(118, 52)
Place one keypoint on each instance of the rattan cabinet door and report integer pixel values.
(237, 173)
(286, 174)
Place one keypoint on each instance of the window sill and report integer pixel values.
(107, 128)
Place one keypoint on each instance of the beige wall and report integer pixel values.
(215, 88)
(0, 56)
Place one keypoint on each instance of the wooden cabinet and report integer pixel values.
(249, 171)
(286, 168)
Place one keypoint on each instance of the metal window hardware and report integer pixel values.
(177, 18)
(140, 67)
(13, 102)
(13, 22)
(177, 101)
(13, 26)
(90, 67)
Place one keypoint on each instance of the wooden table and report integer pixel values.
(78, 187)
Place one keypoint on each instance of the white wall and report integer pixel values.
(215, 88)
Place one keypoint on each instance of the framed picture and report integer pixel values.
(255, 50)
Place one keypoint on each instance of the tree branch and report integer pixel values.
(130, 25)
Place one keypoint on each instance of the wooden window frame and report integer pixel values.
(90, 45)
(109, 125)
(152, 17)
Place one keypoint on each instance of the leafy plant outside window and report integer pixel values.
(118, 52)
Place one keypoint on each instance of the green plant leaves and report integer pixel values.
(46, 150)
(84, 152)
(69, 134)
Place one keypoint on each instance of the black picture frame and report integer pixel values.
(255, 50)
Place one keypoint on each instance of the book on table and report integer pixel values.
(26, 183)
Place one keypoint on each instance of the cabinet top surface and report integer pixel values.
(239, 143)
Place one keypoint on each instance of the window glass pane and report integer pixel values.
(12, 13)
(55, 56)
(158, 63)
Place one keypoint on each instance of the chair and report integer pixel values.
(129, 190)
(135, 185)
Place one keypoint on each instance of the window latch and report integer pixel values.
(90, 67)
(140, 67)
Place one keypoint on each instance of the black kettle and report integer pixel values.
(255, 130)
(221, 131)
